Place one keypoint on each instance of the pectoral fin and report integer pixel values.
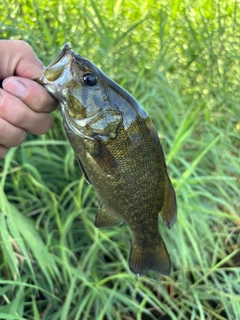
(83, 171)
(106, 219)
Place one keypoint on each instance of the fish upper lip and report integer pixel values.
(63, 53)
(58, 65)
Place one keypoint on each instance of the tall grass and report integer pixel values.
(180, 59)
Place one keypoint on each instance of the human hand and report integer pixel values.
(24, 104)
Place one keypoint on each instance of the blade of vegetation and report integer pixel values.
(180, 59)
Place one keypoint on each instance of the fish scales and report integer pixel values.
(120, 154)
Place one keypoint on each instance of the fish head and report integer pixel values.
(82, 90)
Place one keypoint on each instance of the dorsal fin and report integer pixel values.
(169, 209)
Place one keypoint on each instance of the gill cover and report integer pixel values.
(84, 104)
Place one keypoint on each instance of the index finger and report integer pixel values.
(18, 58)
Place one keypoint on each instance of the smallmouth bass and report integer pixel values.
(120, 155)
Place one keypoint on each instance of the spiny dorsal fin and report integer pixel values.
(105, 218)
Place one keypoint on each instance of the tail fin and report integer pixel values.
(144, 258)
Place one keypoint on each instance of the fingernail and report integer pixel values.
(16, 88)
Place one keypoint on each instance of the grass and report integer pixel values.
(180, 59)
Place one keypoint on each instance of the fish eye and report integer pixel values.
(89, 79)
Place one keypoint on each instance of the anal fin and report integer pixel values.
(104, 218)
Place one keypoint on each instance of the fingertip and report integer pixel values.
(46, 125)
(3, 151)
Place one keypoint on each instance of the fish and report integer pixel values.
(119, 152)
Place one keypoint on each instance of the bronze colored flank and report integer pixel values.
(120, 154)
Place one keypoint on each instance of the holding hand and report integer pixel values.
(24, 104)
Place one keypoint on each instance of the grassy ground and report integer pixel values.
(180, 59)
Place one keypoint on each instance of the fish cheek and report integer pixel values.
(76, 109)
(106, 123)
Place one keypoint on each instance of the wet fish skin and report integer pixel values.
(120, 154)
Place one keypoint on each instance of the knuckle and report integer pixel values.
(23, 45)
(18, 117)
(10, 136)
(12, 109)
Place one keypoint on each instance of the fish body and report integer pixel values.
(119, 152)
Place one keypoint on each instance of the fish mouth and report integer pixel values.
(58, 73)
(66, 48)
(56, 70)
